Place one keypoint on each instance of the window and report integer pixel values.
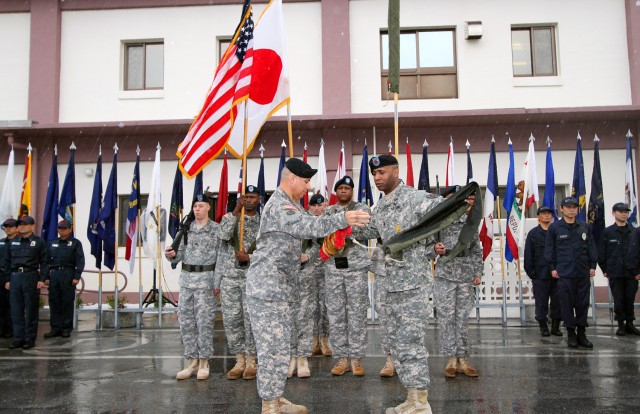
(534, 51)
(223, 45)
(428, 66)
(123, 211)
(143, 65)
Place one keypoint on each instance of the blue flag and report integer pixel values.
(132, 217)
(365, 196)
(281, 166)
(68, 195)
(423, 181)
(630, 184)
(50, 219)
(94, 212)
(107, 216)
(261, 185)
(469, 166)
(549, 199)
(511, 248)
(578, 186)
(177, 203)
(198, 187)
(596, 198)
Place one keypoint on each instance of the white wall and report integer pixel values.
(592, 53)
(14, 68)
(90, 84)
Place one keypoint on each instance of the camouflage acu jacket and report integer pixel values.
(202, 249)
(465, 266)
(228, 226)
(357, 256)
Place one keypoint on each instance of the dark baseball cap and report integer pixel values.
(300, 168)
(544, 209)
(316, 200)
(64, 224)
(569, 201)
(10, 223)
(26, 220)
(621, 207)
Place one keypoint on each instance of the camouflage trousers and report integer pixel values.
(237, 325)
(381, 310)
(407, 317)
(320, 318)
(272, 333)
(196, 312)
(346, 296)
(454, 302)
(302, 319)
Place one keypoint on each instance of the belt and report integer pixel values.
(198, 268)
(61, 267)
(24, 270)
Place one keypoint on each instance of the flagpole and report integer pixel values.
(139, 319)
(504, 285)
(395, 121)
(594, 306)
(289, 130)
(244, 167)
(159, 265)
(115, 265)
(99, 315)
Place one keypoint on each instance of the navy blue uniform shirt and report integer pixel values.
(570, 249)
(67, 254)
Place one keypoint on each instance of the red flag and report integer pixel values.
(409, 167)
(340, 172)
(305, 199)
(210, 130)
(223, 191)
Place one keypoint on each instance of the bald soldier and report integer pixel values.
(271, 286)
(408, 279)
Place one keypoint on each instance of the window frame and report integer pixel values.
(126, 44)
(554, 48)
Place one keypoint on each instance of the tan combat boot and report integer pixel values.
(315, 350)
(407, 405)
(237, 371)
(451, 368)
(292, 367)
(324, 346)
(270, 407)
(357, 368)
(341, 367)
(389, 369)
(203, 369)
(250, 368)
(287, 407)
(189, 370)
(421, 404)
(303, 367)
(463, 366)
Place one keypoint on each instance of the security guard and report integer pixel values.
(545, 287)
(28, 259)
(612, 254)
(66, 263)
(10, 227)
(571, 253)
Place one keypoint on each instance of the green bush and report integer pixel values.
(122, 300)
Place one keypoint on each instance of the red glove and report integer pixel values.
(334, 243)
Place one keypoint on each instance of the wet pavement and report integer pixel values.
(133, 371)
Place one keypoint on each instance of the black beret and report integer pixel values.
(316, 200)
(620, 207)
(300, 168)
(543, 209)
(346, 180)
(380, 161)
(10, 223)
(64, 224)
(251, 189)
(202, 198)
(569, 201)
(26, 220)
(450, 190)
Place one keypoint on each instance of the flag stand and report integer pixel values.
(99, 315)
(159, 268)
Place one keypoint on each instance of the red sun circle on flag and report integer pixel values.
(265, 74)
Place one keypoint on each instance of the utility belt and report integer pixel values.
(198, 268)
(24, 270)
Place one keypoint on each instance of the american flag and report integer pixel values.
(210, 131)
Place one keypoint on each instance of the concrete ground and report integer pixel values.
(131, 371)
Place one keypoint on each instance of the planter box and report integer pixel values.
(125, 319)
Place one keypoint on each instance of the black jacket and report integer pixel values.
(534, 262)
(613, 249)
(570, 249)
(633, 255)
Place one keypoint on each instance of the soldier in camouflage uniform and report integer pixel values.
(454, 294)
(230, 280)
(381, 288)
(346, 291)
(320, 318)
(196, 308)
(303, 319)
(408, 277)
(271, 278)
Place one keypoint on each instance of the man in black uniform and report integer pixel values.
(10, 227)
(545, 287)
(612, 254)
(66, 263)
(571, 253)
(29, 268)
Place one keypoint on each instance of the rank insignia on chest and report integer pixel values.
(69, 243)
(398, 228)
(33, 243)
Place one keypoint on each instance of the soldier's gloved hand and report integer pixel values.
(242, 256)
(169, 252)
(357, 218)
(439, 248)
